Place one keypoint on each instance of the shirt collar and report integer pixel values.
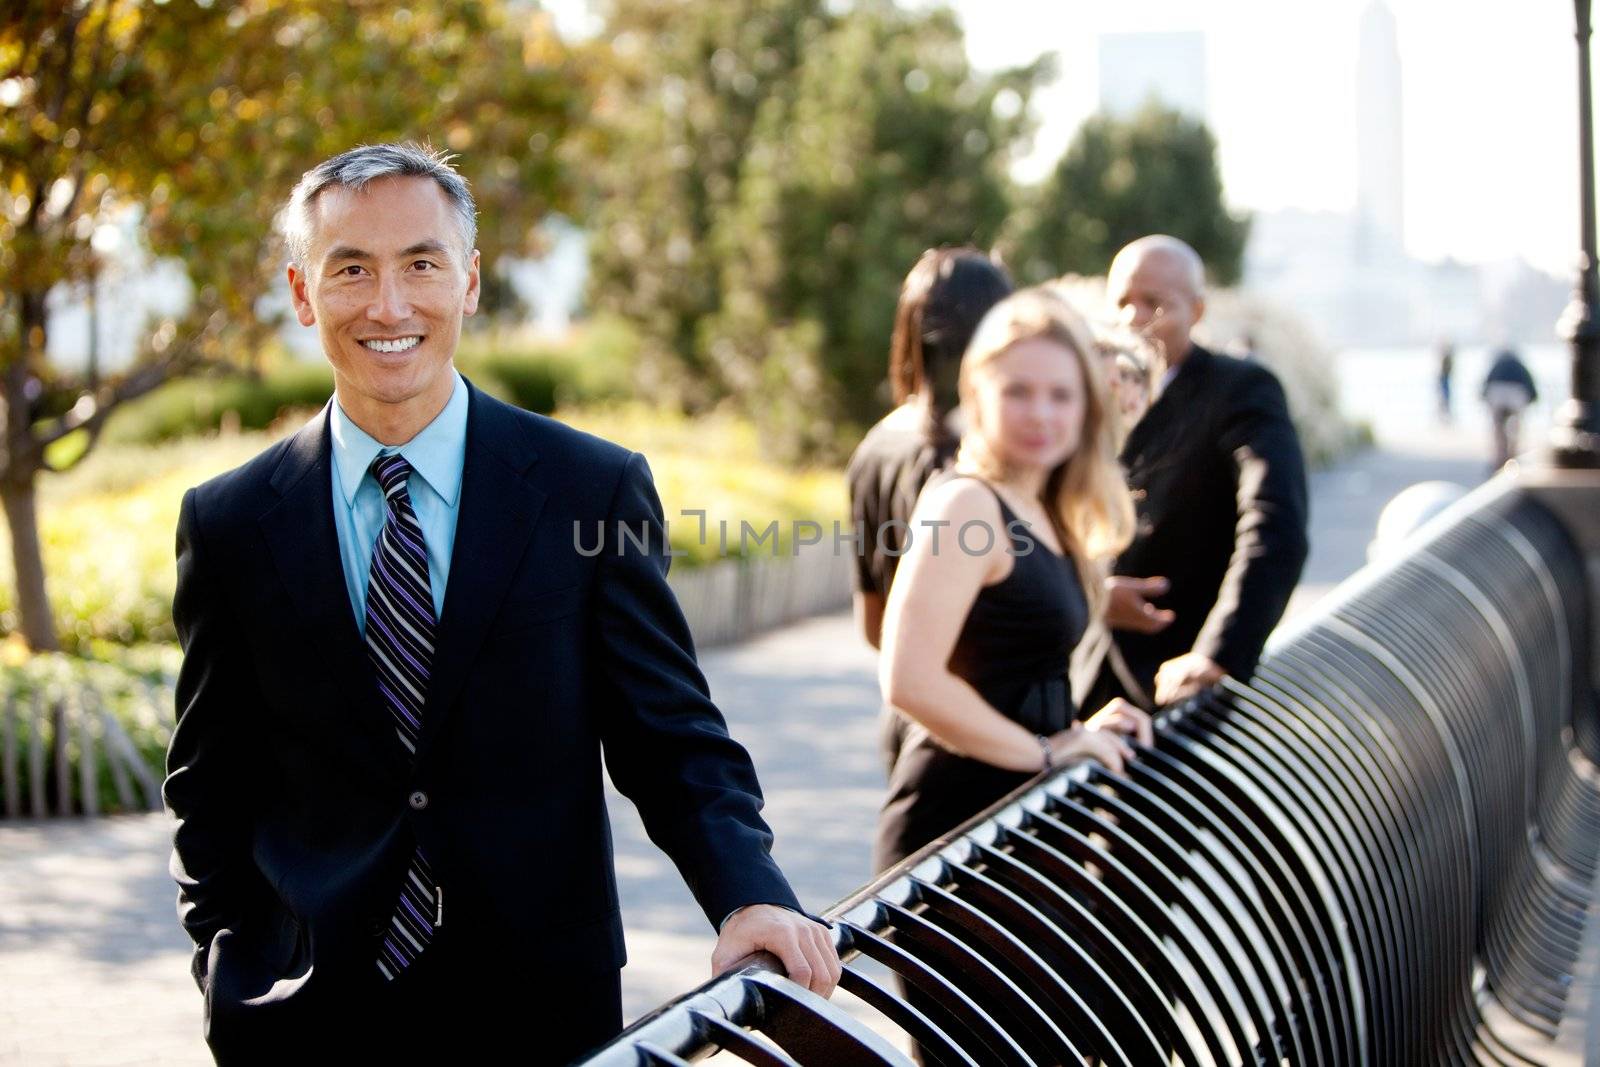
(438, 452)
(1195, 356)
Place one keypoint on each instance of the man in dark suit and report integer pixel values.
(1219, 484)
(399, 675)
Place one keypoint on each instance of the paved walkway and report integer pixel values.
(93, 967)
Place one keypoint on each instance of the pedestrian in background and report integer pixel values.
(1447, 369)
(1508, 389)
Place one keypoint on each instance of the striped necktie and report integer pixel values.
(400, 632)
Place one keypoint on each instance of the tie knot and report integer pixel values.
(392, 473)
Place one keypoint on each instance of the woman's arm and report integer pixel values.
(933, 591)
(934, 588)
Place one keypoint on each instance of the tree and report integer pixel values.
(768, 172)
(194, 119)
(1121, 179)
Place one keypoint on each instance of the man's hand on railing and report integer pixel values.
(1181, 678)
(803, 947)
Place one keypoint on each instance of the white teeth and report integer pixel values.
(401, 345)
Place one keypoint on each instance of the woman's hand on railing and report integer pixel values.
(1079, 742)
(1124, 718)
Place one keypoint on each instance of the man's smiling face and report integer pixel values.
(386, 281)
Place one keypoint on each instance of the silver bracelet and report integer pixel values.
(1044, 746)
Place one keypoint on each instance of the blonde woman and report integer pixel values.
(1001, 577)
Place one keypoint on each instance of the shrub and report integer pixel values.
(192, 406)
(116, 707)
(593, 365)
(108, 525)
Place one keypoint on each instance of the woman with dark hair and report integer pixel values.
(941, 303)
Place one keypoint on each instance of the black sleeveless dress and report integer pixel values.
(1014, 650)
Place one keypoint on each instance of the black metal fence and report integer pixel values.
(1381, 851)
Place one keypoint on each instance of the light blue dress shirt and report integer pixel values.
(437, 455)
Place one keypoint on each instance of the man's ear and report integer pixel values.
(303, 311)
(469, 304)
(1199, 309)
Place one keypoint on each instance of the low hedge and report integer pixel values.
(57, 711)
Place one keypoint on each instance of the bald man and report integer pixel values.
(1219, 483)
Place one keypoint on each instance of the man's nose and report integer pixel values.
(389, 304)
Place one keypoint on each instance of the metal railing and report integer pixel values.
(1381, 851)
(65, 751)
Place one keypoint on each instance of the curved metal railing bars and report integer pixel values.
(1381, 851)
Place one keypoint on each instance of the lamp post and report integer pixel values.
(1575, 438)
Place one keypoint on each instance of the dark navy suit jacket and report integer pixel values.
(297, 805)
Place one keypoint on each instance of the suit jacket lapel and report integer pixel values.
(499, 507)
(304, 545)
(1166, 416)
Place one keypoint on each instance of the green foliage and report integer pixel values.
(116, 116)
(107, 534)
(134, 685)
(1120, 180)
(767, 172)
(108, 524)
(713, 463)
(204, 405)
(594, 365)
(190, 121)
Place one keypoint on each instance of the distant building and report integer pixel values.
(1169, 68)
(1348, 273)
(1380, 206)
(1312, 262)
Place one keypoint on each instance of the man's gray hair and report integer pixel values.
(369, 162)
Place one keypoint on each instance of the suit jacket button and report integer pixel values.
(418, 800)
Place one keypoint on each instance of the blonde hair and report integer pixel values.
(1143, 355)
(1085, 495)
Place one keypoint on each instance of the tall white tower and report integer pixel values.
(1380, 212)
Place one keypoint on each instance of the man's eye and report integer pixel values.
(424, 265)
(351, 270)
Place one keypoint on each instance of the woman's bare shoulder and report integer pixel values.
(956, 500)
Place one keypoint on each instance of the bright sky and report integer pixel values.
(1489, 105)
(1489, 113)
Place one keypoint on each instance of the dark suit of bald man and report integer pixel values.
(1219, 487)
